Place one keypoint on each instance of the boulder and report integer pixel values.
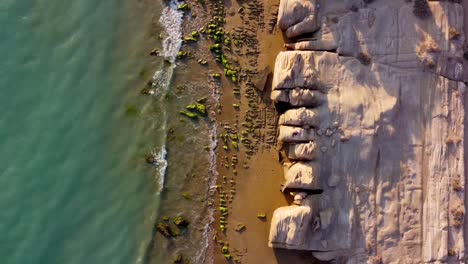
(302, 151)
(395, 169)
(299, 97)
(295, 134)
(302, 175)
(290, 225)
(300, 117)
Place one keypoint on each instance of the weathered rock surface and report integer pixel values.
(393, 35)
(302, 151)
(295, 134)
(300, 117)
(291, 224)
(302, 175)
(297, 17)
(393, 173)
(403, 150)
(299, 97)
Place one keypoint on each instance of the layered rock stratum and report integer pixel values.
(375, 121)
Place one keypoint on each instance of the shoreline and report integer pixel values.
(251, 164)
(244, 155)
(243, 111)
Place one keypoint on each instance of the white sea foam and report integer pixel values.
(171, 20)
(160, 162)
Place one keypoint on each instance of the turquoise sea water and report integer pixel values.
(74, 187)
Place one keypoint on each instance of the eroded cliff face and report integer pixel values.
(376, 122)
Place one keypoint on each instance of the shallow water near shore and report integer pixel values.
(75, 187)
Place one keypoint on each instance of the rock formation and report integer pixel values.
(376, 122)
(301, 175)
(297, 17)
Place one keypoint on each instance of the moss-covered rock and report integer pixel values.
(195, 34)
(177, 258)
(201, 108)
(225, 251)
(164, 229)
(235, 145)
(191, 107)
(182, 54)
(202, 100)
(189, 114)
(181, 222)
(240, 227)
(190, 39)
(261, 215)
(215, 47)
(183, 7)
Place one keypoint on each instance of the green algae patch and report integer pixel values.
(165, 229)
(225, 251)
(201, 108)
(183, 54)
(181, 222)
(131, 110)
(202, 100)
(240, 227)
(189, 114)
(195, 34)
(235, 145)
(191, 107)
(261, 215)
(177, 259)
(190, 39)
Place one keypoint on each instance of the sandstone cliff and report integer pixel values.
(383, 92)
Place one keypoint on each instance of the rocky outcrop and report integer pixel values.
(300, 117)
(393, 35)
(295, 134)
(302, 151)
(390, 157)
(297, 17)
(301, 175)
(291, 225)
